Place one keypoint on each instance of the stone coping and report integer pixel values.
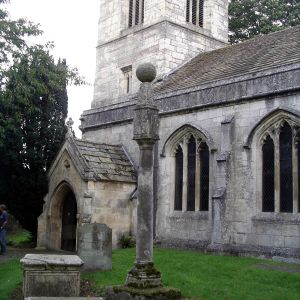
(51, 259)
(285, 82)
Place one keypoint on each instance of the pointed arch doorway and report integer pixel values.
(63, 219)
(69, 223)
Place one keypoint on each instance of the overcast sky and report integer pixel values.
(72, 26)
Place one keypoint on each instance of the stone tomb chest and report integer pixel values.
(51, 275)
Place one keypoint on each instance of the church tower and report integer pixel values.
(164, 32)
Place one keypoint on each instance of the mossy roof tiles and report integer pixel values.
(264, 52)
(106, 162)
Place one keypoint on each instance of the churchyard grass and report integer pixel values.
(197, 275)
(10, 278)
(202, 276)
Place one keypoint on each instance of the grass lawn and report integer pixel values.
(10, 277)
(201, 276)
(197, 275)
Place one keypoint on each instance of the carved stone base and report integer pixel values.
(143, 283)
(130, 293)
(143, 276)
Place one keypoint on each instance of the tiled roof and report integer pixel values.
(105, 162)
(269, 51)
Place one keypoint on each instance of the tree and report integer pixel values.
(13, 35)
(33, 109)
(249, 18)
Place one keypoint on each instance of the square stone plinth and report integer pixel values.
(51, 275)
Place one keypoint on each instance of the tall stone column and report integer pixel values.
(144, 281)
(145, 133)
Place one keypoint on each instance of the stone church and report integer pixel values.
(227, 165)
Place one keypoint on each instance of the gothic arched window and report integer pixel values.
(204, 176)
(178, 178)
(191, 174)
(268, 178)
(281, 168)
(136, 12)
(195, 12)
(286, 169)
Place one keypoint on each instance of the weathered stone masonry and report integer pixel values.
(230, 98)
(102, 180)
(229, 113)
(165, 38)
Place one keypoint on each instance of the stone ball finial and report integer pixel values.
(146, 72)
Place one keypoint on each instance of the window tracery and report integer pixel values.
(178, 178)
(268, 175)
(191, 154)
(280, 167)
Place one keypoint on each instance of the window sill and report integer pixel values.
(192, 215)
(278, 218)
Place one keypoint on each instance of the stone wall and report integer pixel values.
(112, 206)
(114, 14)
(165, 38)
(166, 44)
(241, 225)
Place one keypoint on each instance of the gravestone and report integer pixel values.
(95, 246)
(51, 275)
(13, 225)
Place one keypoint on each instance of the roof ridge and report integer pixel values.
(95, 143)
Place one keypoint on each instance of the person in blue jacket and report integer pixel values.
(3, 223)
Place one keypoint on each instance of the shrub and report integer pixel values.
(19, 239)
(127, 241)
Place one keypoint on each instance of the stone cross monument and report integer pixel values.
(145, 133)
(144, 281)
